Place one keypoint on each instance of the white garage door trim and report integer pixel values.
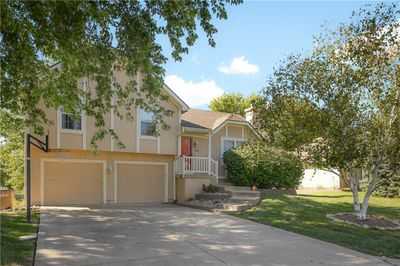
(140, 163)
(43, 160)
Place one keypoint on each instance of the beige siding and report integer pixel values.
(127, 131)
(148, 145)
(235, 131)
(51, 114)
(169, 138)
(70, 141)
(216, 150)
(200, 147)
(188, 187)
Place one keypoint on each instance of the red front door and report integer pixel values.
(186, 146)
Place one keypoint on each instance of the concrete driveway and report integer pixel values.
(173, 235)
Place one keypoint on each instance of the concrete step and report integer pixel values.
(245, 193)
(225, 183)
(226, 187)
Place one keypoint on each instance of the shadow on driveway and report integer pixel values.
(174, 235)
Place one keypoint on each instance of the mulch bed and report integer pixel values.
(371, 222)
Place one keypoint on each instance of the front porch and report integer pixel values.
(192, 173)
(194, 166)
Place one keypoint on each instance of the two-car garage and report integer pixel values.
(83, 181)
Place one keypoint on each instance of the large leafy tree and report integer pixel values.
(93, 39)
(347, 94)
(11, 151)
(234, 103)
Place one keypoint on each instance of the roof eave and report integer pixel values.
(174, 96)
(194, 129)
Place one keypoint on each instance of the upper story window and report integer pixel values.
(67, 122)
(147, 125)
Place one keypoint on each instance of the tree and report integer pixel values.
(11, 151)
(233, 103)
(93, 39)
(290, 122)
(351, 81)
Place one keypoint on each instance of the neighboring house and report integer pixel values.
(151, 169)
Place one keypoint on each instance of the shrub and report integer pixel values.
(263, 166)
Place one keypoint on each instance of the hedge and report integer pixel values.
(262, 166)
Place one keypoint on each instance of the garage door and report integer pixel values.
(140, 183)
(72, 183)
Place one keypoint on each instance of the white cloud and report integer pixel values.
(195, 59)
(194, 94)
(239, 65)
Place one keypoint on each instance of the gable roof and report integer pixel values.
(203, 119)
(175, 97)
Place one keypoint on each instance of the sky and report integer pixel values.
(253, 40)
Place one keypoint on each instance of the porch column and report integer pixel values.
(209, 153)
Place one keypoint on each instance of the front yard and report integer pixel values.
(13, 250)
(306, 215)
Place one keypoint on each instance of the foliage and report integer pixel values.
(290, 122)
(11, 150)
(389, 186)
(262, 166)
(234, 103)
(46, 46)
(306, 215)
(349, 90)
(14, 251)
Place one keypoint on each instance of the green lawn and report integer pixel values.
(13, 250)
(306, 215)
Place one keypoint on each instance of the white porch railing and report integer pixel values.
(196, 165)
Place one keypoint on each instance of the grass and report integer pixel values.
(14, 251)
(306, 215)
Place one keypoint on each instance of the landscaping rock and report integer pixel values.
(208, 204)
(213, 196)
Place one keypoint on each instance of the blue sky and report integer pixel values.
(259, 35)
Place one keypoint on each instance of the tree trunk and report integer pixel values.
(354, 189)
(362, 215)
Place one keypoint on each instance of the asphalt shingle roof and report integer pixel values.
(207, 119)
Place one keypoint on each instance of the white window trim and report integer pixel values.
(60, 130)
(140, 126)
(67, 130)
(139, 135)
(148, 137)
(232, 139)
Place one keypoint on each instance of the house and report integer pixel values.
(151, 169)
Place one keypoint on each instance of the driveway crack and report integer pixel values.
(206, 251)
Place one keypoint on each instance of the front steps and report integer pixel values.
(243, 198)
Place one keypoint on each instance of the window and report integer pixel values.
(230, 144)
(147, 125)
(67, 122)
